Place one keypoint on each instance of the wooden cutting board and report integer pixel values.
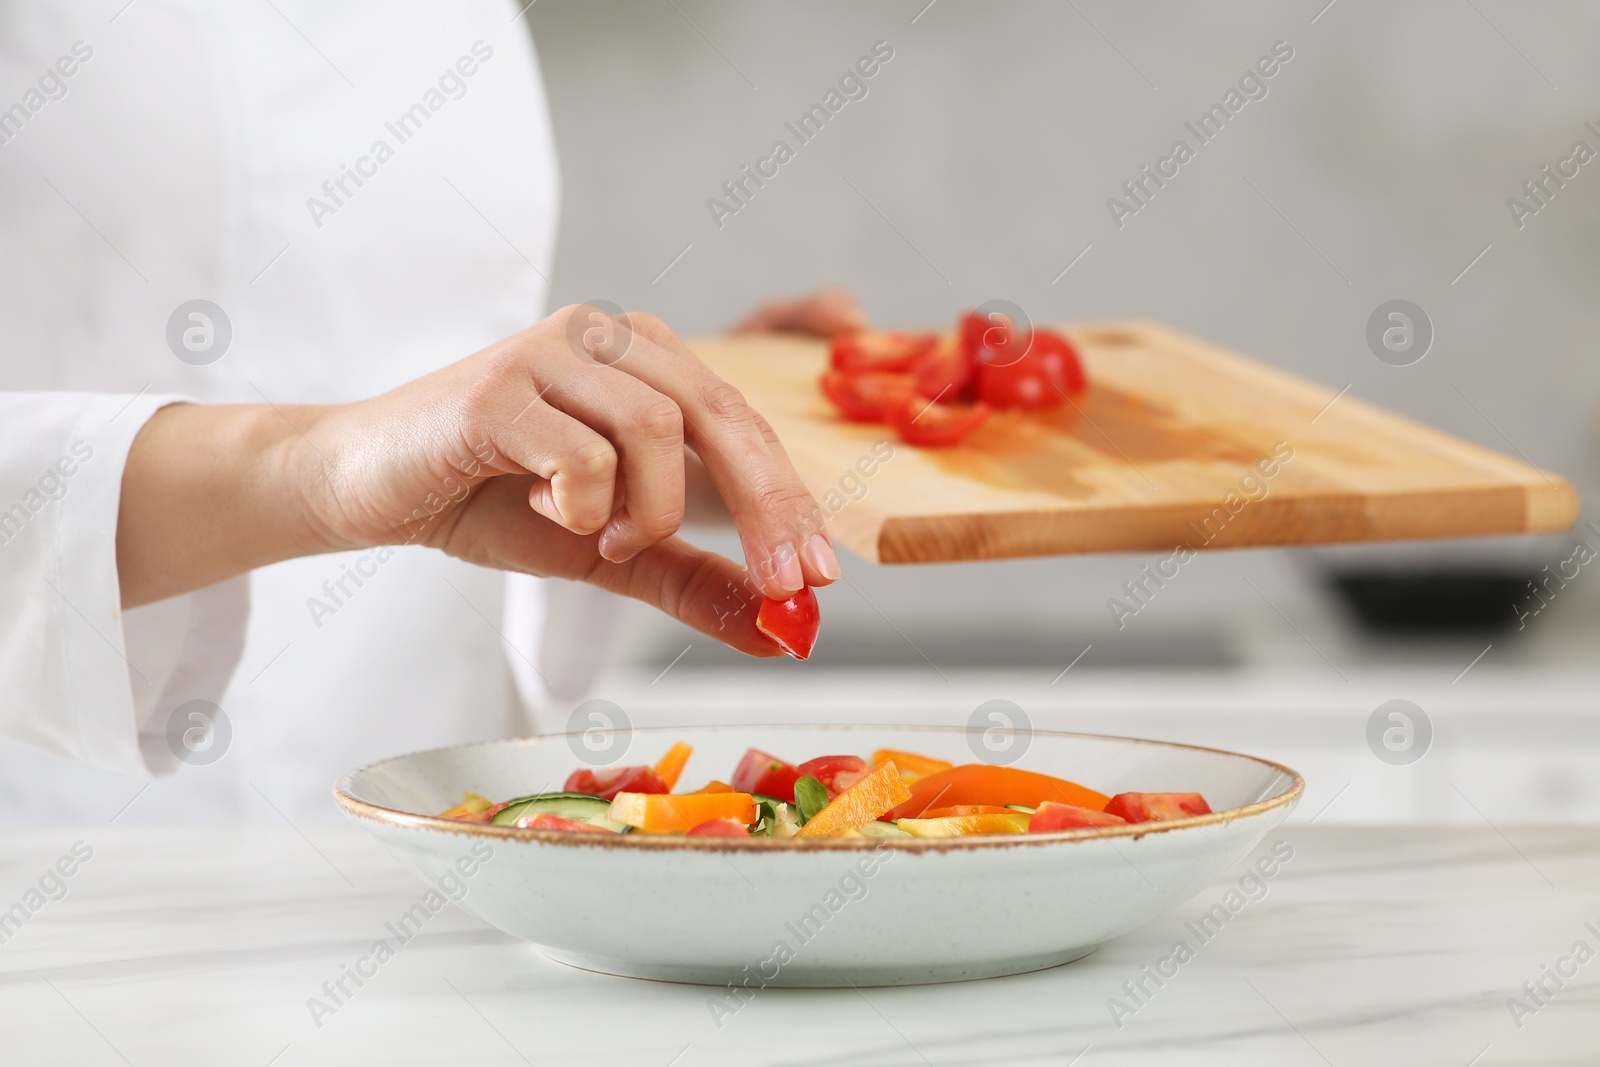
(1176, 443)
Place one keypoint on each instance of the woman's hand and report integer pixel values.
(559, 451)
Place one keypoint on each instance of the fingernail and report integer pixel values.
(820, 553)
(789, 575)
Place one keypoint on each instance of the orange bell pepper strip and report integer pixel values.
(874, 794)
(669, 768)
(713, 786)
(981, 783)
(912, 766)
(680, 811)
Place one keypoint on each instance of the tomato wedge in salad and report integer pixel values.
(1156, 807)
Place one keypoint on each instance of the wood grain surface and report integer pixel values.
(1176, 443)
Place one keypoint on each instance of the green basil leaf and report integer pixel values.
(810, 796)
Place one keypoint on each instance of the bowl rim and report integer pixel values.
(357, 808)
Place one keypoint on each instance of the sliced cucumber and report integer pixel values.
(579, 807)
(882, 829)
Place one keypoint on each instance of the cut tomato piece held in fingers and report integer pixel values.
(1052, 816)
(864, 396)
(1157, 807)
(609, 781)
(935, 424)
(889, 352)
(836, 773)
(768, 775)
(791, 624)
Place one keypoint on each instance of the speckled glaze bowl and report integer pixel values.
(795, 912)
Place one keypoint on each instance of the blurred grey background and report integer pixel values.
(979, 165)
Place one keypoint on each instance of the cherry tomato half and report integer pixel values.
(1051, 816)
(791, 624)
(1060, 359)
(836, 773)
(864, 396)
(1027, 383)
(1157, 807)
(891, 353)
(932, 424)
(759, 772)
(609, 781)
(546, 821)
(719, 828)
(946, 373)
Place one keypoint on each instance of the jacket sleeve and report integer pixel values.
(78, 676)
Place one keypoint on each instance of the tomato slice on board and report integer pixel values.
(1029, 383)
(1060, 359)
(1157, 807)
(768, 775)
(791, 624)
(836, 773)
(946, 373)
(889, 352)
(1051, 816)
(608, 782)
(864, 396)
(982, 783)
(932, 424)
(719, 828)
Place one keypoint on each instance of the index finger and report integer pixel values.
(780, 525)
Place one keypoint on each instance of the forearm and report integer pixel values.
(211, 491)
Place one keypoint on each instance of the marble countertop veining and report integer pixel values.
(216, 946)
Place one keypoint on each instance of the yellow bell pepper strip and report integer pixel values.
(680, 811)
(470, 806)
(880, 790)
(981, 783)
(966, 825)
(912, 766)
(670, 766)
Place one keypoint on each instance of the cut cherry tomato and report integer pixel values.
(768, 775)
(607, 783)
(1027, 383)
(955, 810)
(893, 353)
(864, 396)
(719, 828)
(791, 624)
(544, 821)
(1051, 816)
(836, 773)
(993, 340)
(1157, 807)
(486, 815)
(933, 424)
(946, 373)
(1060, 360)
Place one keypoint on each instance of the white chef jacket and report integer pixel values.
(176, 150)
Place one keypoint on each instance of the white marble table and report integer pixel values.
(1372, 946)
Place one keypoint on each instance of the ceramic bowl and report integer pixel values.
(817, 912)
